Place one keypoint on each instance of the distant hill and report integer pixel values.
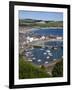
(40, 23)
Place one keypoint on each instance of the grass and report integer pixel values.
(35, 24)
(28, 70)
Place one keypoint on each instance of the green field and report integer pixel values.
(40, 23)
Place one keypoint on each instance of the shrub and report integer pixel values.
(28, 70)
(58, 69)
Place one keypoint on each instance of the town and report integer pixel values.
(28, 39)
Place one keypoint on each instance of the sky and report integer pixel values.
(52, 16)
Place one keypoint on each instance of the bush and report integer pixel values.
(28, 70)
(43, 67)
(58, 69)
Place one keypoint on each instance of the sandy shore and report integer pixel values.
(25, 29)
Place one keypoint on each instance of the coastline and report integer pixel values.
(23, 29)
(50, 66)
(52, 63)
(49, 28)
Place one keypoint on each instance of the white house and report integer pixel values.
(35, 39)
(43, 37)
(41, 22)
(29, 39)
(59, 38)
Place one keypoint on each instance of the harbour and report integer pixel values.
(42, 49)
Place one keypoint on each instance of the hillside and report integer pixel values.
(28, 70)
(40, 23)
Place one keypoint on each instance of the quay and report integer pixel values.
(41, 44)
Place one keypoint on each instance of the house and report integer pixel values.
(41, 22)
(43, 37)
(29, 39)
(59, 38)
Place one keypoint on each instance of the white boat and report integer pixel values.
(55, 48)
(48, 51)
(54, 59)
(39, 60)
(33, 58)
(41, 49)
(44, 53)
(32, 48)
(47, 57)
(50, 54)
(46, 62)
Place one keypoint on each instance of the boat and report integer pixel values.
(39, 60)
(33, 58)
(48, 51)
(54, 59)
(41, 49)
(44, 53)
(46, 62)
(32, 48)
(47, 57)
(50, 54)
(55, 48)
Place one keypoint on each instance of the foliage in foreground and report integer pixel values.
(58, 69)
(28, 70)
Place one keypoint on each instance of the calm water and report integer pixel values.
(46, 55)
(48, 32)
(41, 56)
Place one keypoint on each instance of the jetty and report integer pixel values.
(41, 44)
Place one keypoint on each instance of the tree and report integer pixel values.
(43, 67)
(58, 69)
